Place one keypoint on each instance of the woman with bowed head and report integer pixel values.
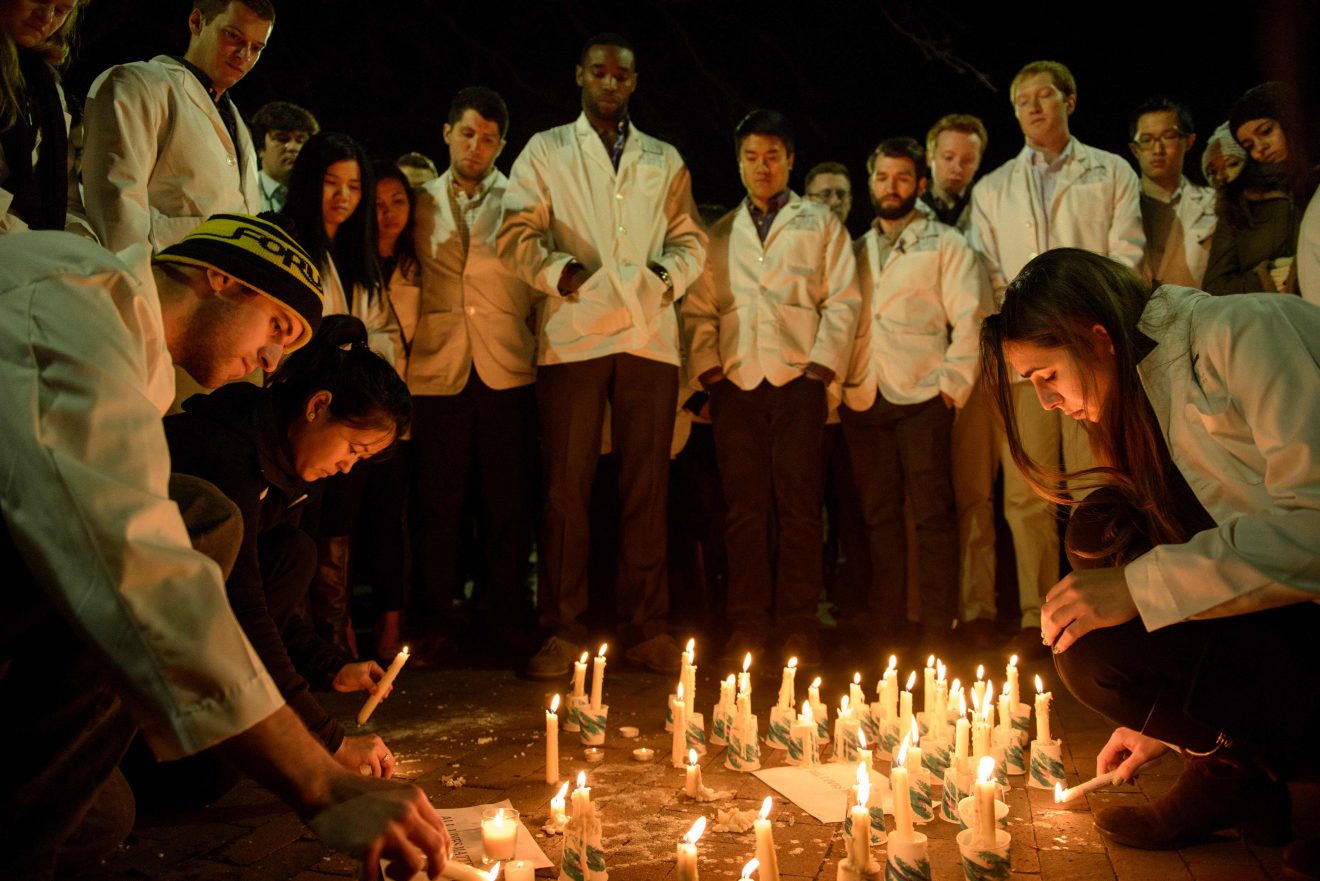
(1188, 617)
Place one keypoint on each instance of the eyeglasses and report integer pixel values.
(822, 195)
(1145, 143)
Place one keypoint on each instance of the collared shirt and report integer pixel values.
(1159, 216)
(1046, 175)
(947, 210)
(465, 207)
(223, 103)
(887, 239)
(763, 220)
(620, 140)
(273, 193)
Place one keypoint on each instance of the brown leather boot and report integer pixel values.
(330, 590)
(1213, 793)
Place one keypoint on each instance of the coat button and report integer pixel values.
(472, 310)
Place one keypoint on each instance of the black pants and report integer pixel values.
(482, 442)
(902, 450)
(1253, 678)
(571, 399)
(768, 441)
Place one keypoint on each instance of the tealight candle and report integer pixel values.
(693, 785)
(786, 696)
(1043, 698)
(598, 676)
(687, 851)
(499, 830)
(766, 854)
(552, 742)
(383, 687)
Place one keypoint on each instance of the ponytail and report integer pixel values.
(365, 389)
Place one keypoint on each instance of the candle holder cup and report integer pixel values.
(908, 859)
(499, 831)
(696, 733)
(982, 862)
(936, 757)
(803, 750)
(1014, 761)
(1021, 720)
(721, 722)
(744, 751)
(919, 796)
(956, 787)
(575, 704)
(592, 723)
(1046, 764)
(781, 723)
(967, 813)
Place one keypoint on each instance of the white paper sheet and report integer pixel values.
(464, 826)
(822, 790)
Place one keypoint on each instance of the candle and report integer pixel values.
(744, 709)
(580, 675)
(1011, 678)
(598, 675)
(855, 695)
(863, 753)
(688, 676)
(1042, 712)
(557, 813)
(961, 730)
(456, 871)
(680, 728)
(581, 797)
(978, 687)
(786, 697)
(861, 821)
(766, 854)
(1062, 795)
(898, 778)
(813, 693)
(519, 870)
(985, 803)
(745, 680)
(803, 732)
(905, 703)
(928, 687)
(687, 851)
(913, 762)
(749, 869)
(693, 785)
(383, 687)
(981, 731)
(726, 692)
(552, 742)
(498, 833)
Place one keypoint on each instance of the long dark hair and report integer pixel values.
(365, 389)
(405, 248)
(1054, 302)
(354, 247)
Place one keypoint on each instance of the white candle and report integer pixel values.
(1011, 678)
(766, 854)
(598, 676)
(744, 716)
(552, 742)
(1006, 716)
(786, 696)
(861, 821)
(890, 707)
(1042, 712)
(978, 688)
(905, 704)
(864, 754)
(680, 729)
(803, 731)
(456, 871)
(855, 695)
(726, 692)
(580, 675)
(745, 680)
(985, 803)
(689, 673)
(1062, 795)
(928, 687)
(898, 778)
(913, 762)
(383, 686)
(581, 797)
(693, 785)
(748, 869)
(961, 730)
(687, 851)
(557, 812)
(497, 836)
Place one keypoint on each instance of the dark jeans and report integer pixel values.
(898, 450)
(571, 399)
(1253, 678)
(481, 442)
(62, 803)
(768, 441)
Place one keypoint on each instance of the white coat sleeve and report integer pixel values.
(984, 239)
(701, 319)
(1308, 252)
(840, 302)
(524, 243)
(84, 469)
(1269, 367)
(1127, 237)
(122, 122)
(965, 289)
(859, 377)
(685, 240)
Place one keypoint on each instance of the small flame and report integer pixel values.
(563, 791)
(912, 680)
(584, 657)
(930, 662)
(765, 808)
(679, 695)
(986, 769)
(861, 739)
(863, 786)
(752, 865)
(582, 780)
(815, 683)
(893, 664)
(692, 756)
(554, 705)
(843, 705)
(1040, 686)
(691, 647)
(901, 759)
(807, 715)
(695, 832)
(1060, 794)
(792, 663)
(1012, 662)
(747, 662)
(916, 733)
(494, 872)
(603, 646)
(857, 679)
(980, 672)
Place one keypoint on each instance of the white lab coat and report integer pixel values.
(158, 159)
(1308, 252)
(919, 333)
(376, 314)
(564, 202)
(473, 312)
(403, 293)
(84, 471)
(1096, 206)
(1194, 211)
(766, 311)
(1235, 385)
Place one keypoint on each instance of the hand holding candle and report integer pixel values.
(1062, 795)
(383, 687)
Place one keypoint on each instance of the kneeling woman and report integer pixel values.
(1189, 615)
(331, 405)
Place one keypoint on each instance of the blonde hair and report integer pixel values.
(957, 122)
(1062, 76)
(55, 51)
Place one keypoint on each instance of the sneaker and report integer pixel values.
(659, 654)
(553, 660)
(805, 647)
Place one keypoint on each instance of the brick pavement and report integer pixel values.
(487, 727)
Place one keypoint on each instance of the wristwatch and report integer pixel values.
(662, 273)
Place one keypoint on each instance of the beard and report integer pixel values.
(892, 211)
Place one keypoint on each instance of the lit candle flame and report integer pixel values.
(554, 705)
(863, 786)
(585, 655)
(989, 692)
(603, 646)
(1060, 794)
(1040, 686)
(752, 865)
(691, 647)
(1012, 662)
(815, 683)
(695, 832)
(956, 687)
(912, 680)
(582, 780)
(861, 739)
(986, 769)
(807, 715)
(563, 791)
(843, 705)
(730, 680)
(962, 703)
(692, 756)
(987, 707)
(893, 664)
(765, 808)
(679, 695)
(499, 817)
(980, 672)
(930, 662)
(857, 679)
(916, 732)
(747, 662)
(901, 759)
(940, 670)
(494, 872)
(792, 663)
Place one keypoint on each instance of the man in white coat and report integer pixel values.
(914, 359)
(599, 219)
(166, 147)
(470, 371)
(1177, 216)
(1057, 192)
(769, 326)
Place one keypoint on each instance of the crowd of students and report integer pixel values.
(480, 341)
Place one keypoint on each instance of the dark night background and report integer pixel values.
(847, 74)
